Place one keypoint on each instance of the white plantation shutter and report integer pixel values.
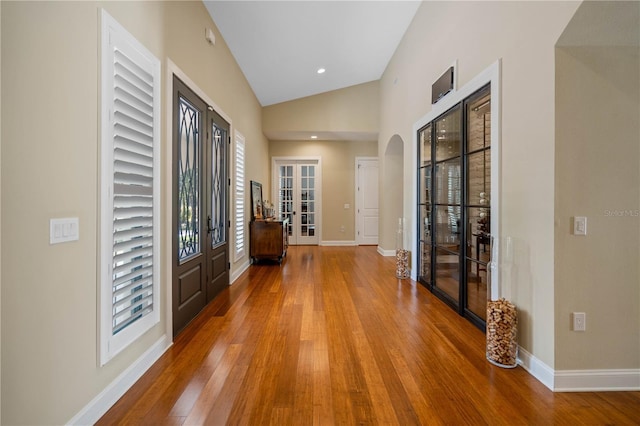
(239, 243)
(130, 189)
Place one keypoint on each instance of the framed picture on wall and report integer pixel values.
(256, 200)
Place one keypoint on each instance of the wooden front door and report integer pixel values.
(200, 200)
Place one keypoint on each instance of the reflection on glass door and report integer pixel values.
(454, 208)
(425, 207)
(478, 203)
(447, 202)
(297, 198)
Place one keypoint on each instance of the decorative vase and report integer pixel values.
(402, 255)
(502, 316)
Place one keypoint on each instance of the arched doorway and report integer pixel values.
(392, 194)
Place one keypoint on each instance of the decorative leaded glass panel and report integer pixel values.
(218, 192)
(188, 181)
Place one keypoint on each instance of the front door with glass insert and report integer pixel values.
(200, 194)
(297, 198)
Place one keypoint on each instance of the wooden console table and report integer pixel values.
(269, 239)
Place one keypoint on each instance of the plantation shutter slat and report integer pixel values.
(133, 179)
(131, 145)
(239, 199)
(127, 264)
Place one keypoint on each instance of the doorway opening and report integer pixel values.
(458, 197)
(297, 189)
(366, 200)
(200, 231)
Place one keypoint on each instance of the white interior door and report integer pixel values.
(366, 201)
(297, 191)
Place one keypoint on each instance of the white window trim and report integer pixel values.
(113, 34)
(239, 195)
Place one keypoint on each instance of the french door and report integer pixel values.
(297, 187)
(454, 207)
(200, 200)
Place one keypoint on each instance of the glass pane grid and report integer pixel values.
(447, 136)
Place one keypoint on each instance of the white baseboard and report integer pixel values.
(536, 368)
(579, 380)
(386, 253)
(99, 405)
(338, 243)
(239, 271)
(597, 380)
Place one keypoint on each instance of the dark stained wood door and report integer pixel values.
(200, 195)
(218, 196)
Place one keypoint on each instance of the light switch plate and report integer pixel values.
(64, 230)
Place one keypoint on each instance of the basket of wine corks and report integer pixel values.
(502, 343)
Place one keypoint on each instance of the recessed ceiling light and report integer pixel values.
(314, 137)
(321, 70)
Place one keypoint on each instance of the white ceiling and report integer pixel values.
(280, 45)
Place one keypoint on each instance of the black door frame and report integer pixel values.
(460, 305)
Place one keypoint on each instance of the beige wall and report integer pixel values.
(49, 169)
(346, 123)
(477, 34)
(0, 214)
(338, 180)
(392, 185)
(345, 114)
(597, 176)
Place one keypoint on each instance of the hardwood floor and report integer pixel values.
(331, 337)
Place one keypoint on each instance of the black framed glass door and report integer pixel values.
(454, 172)
(477, 159)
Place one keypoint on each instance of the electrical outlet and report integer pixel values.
(580, 225)
(579, 321)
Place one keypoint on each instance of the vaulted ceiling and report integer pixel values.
(281, 45)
